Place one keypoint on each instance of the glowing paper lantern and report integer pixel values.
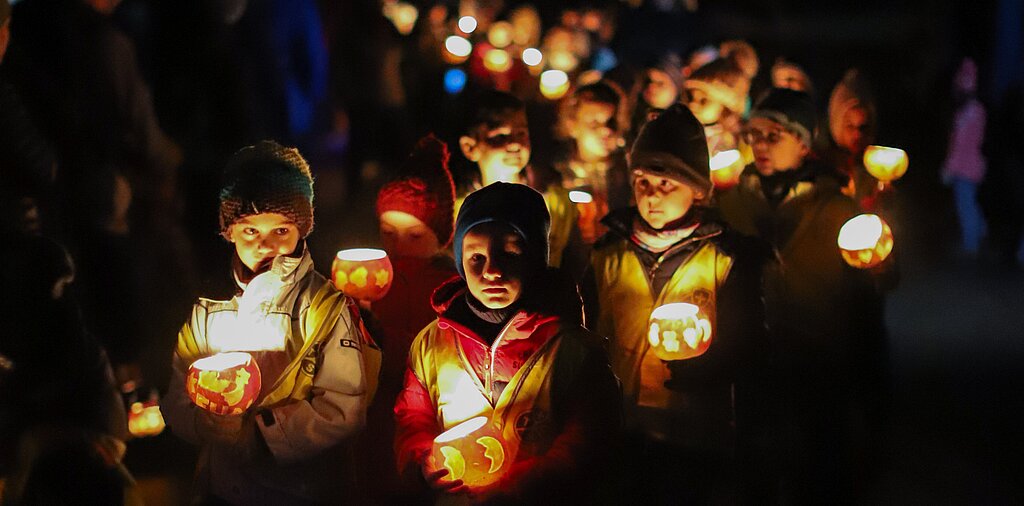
(145, 419)
(457, 49)
(500, 34)
(362, 273)
(402, 14)
(726, 167)
(532, 56)
(554, 84)
(497, 60)
(865, 241)
(886, 164)
(678, 331)
(226, 383)
(563, 60)
(454, 81)
(472, 452)
(467, 24)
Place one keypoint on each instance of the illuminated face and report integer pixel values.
(785, 76)
(593, 128)
(660, 91)
(405, 235)
(492, 259)
(853, 131)
(775, 148)
(707, 110)
(503, 149)
(661, 199)
(260, 238)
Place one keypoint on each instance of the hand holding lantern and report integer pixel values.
(472, 452)
(225, 383)
(886, 164)
(678, 331)
(362, 273)
(865, 241)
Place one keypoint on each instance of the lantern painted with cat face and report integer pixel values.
(362, 273)
(678, 331)
(225, 384)
(473, 452)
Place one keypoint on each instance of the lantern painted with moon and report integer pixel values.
(362, 273)
(726, 167)
(473, 452)
(865, 241)
(886, 164)
(225, 384)
(678, 331)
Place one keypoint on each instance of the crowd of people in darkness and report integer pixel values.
(162, 155)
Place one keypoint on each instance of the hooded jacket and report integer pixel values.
(544, 381)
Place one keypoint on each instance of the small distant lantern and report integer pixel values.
(886, 164)
(588, 214)
(467, 24)
(473, 452)
(454, 81)
(497, 60)
(402, 14)
(563, 61)
(554, 84)
(226, 383)
(865, 241)
(532, 56)
(726, 167)
(678, 331)
(362, 273)
(145, 419)
(457, 49)
(500, 34)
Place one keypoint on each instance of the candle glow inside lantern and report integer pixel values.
(457, 49)
(226, 383)
(554, 84)
(865, 241)
(678, 331)
(362, 273)
(500, 34)
(145, 419)
(726, 168)
(886, 164)
(472, 451)
(497, 60)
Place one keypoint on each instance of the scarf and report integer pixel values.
(659, 241)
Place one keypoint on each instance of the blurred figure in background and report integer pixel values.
(964, 166)
(852, 123)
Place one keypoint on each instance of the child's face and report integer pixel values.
(594, 128)
(405, 235)
(493, 261)
(502, 149)
(775, 148)
(707, 110)
(661, 199)
(260, 238)
(853, 130)
(660, 91)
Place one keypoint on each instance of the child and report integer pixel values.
(717, 96)
(305, 336)
(679, 414)
(851, 121)
(965, 166)
(508, 345)
(497, 140)
(826, 317)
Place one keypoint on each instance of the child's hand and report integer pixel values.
(435, 479)
(219, 429)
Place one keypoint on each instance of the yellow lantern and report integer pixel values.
(678, 331)
(726, 167)
(145, 419)
(226, 383)
(472, 451)
(457, 49)
(886, 164)
(588, 214)
(500, 34)
(865, 241)
(554, 84)
(497, 60)
(362, 273)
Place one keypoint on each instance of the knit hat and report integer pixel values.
(852, 91)
(724, 82)
(267, 178)
(516, 205)
(425, 189)
(791, 109)
(674, 144)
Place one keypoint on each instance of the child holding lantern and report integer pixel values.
(665, 252)
(507, 346)
(826, 322)
(306, 338)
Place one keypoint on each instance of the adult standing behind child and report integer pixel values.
(314, 355)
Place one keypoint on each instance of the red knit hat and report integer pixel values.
(425, 189)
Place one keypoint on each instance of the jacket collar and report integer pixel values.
(620, 225)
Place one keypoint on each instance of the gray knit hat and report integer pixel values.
(267, 178)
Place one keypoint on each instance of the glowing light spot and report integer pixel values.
(724, 159)
(500, 34)
(580, 197)
(467, 24)
(454, 81)
(458, 46)
(361, 254)
(554, 84)
(532, 56)
(860, 232)
(497, 60)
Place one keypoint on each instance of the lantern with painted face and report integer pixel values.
(473, 452)
(865, 241)
(678, 331)
(225, 384)
(362, 273)
(145, 419)
(726, 167)
(886, 164)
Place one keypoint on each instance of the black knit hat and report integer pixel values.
(516, 205)
(267, 178)
(792, 109)
(674, 144)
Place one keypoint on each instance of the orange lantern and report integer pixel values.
(554, 84)
(472, 451)
(865, 241)
(145, 419)
(497, 60)
(588, 214)
(457, 49)
(362, 273)
(679, 331)
(886, 164)
(726, 167)
(226, 383)
(500, 34)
